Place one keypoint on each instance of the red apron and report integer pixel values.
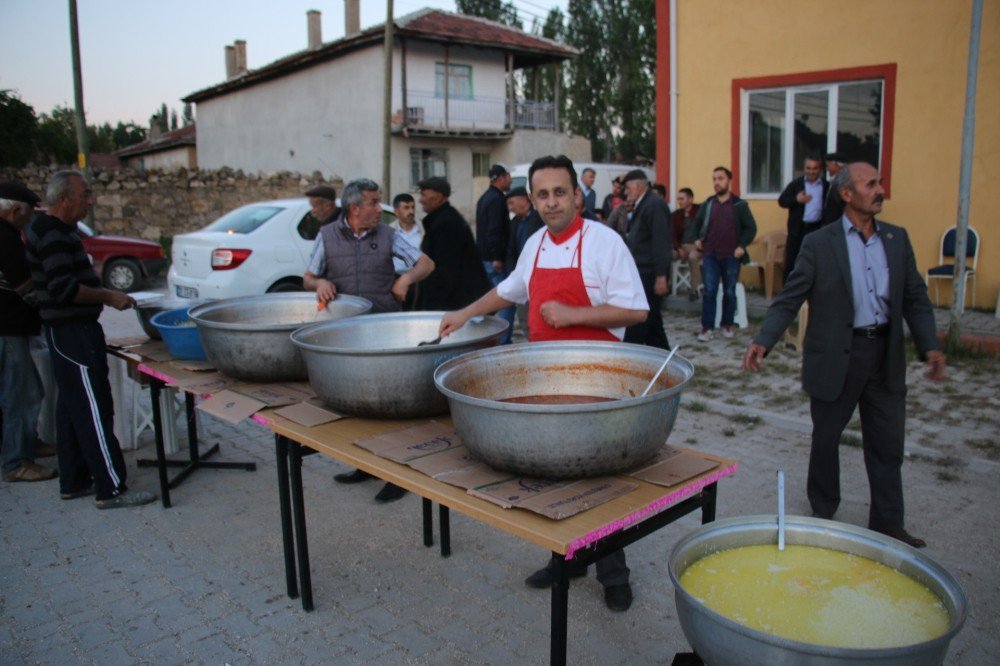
(566, 286)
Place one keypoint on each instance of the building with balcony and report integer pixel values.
(454, 101)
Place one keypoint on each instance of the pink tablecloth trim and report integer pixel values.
(650, 509)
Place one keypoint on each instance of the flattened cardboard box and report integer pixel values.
(231, 406)
(673, 466)
(554, 499)
(414, 442)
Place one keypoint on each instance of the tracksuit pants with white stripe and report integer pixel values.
(85, 439)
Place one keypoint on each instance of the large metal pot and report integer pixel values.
(145, 310)
(564, 441)
(248, 337)
(721, 641)
(372, 366)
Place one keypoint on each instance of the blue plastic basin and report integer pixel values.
(180, 333)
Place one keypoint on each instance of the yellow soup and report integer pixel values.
(817, 595)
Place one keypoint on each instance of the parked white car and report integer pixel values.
(258, 248)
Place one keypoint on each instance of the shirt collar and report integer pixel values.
(347, 229)
(848, 227)
(567, 233)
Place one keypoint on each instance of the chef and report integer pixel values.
(580, 283)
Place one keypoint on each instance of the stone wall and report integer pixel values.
(156, 204)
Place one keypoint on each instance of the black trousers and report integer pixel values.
(649, 332)
(86, 445)
(794, 243)
(883, 416)
(611, 569)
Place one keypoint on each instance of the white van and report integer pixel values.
(602, 184)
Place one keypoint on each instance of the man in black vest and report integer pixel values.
(354, 256)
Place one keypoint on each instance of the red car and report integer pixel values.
(122, 262)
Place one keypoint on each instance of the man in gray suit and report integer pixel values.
(861, 280)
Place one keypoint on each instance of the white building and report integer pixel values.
(170, 150)
(321, 109)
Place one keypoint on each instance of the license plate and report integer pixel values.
(186, 292)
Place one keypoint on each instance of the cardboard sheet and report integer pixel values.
(127, 343)
(273, 395)
(308, 414)
(554, 499)
(155, 350)
(193, 366)
(205, 383)
(673, 466)
(230, 406)
(404, 445)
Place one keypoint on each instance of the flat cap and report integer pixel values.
(833, 157)
(14, 191)
(635, 174)
(497, 170)
(323, 192)
(437, 184)
(517, 192)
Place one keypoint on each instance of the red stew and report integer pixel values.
(557, 399)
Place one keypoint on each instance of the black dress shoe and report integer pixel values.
(905, 537)
(357, 476)
(546, 576)
(618, 597)
(824, 516)
(390, 493)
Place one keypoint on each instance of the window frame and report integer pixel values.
(421, 155)
(449, 68)
(803, 82)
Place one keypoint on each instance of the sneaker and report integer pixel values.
(727, 332)
(705, 335)
(30, 471)
(127, 499)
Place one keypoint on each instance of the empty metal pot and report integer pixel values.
(720, 641)
(248, 337)
(564, 440)
(372, 366)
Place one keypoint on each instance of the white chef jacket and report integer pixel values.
(609, 272)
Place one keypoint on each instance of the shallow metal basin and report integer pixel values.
(248, 337)
(720, 641)
(564, 441)
(372, 366)
(145, 311)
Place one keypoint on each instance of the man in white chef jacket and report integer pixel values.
(580, 283)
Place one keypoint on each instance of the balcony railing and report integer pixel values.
(426, 110)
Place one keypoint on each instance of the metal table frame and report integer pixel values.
(295, 544)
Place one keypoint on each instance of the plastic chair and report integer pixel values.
(944, 271)
(740, 315)
(770, 248)
(797, 337)
(680, 275)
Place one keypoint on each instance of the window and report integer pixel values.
(480, 165)
(427, 162)
(782, 119)
(459, 81)
(243, 220)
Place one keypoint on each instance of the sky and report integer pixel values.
(138, 54)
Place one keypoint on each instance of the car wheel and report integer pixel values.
(122, 274)
(288, 284)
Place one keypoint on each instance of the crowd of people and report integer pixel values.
(546, 255)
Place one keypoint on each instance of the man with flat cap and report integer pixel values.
(354, 255)
(649, 237)
(492, 234)
(459, 277)
(324, 209)
(833, 206)
(20, 387)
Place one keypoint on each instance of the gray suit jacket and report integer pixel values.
(822, 275)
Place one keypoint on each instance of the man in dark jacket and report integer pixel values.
(725, 228)
(20, 388)
(525, 223)
(70, 300)
(458, 278)
(650, 240)
(804, 198)
(492, 234)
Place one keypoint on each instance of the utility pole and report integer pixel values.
(82, 143)
(387, 105)
(965, 178)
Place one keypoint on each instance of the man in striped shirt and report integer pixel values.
(70, 298)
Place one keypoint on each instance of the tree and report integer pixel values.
(495, 10)
(18, 128)
(588, 109)
(188, 114)
(160, 118)
(173, 120)
(128, 134)
(56, 138)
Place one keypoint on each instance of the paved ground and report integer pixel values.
(203, 582)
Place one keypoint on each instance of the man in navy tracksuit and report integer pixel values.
(70, 299)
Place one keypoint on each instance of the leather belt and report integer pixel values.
(871, 332)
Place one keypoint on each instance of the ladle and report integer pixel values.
(781, 509)
(660, 371)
